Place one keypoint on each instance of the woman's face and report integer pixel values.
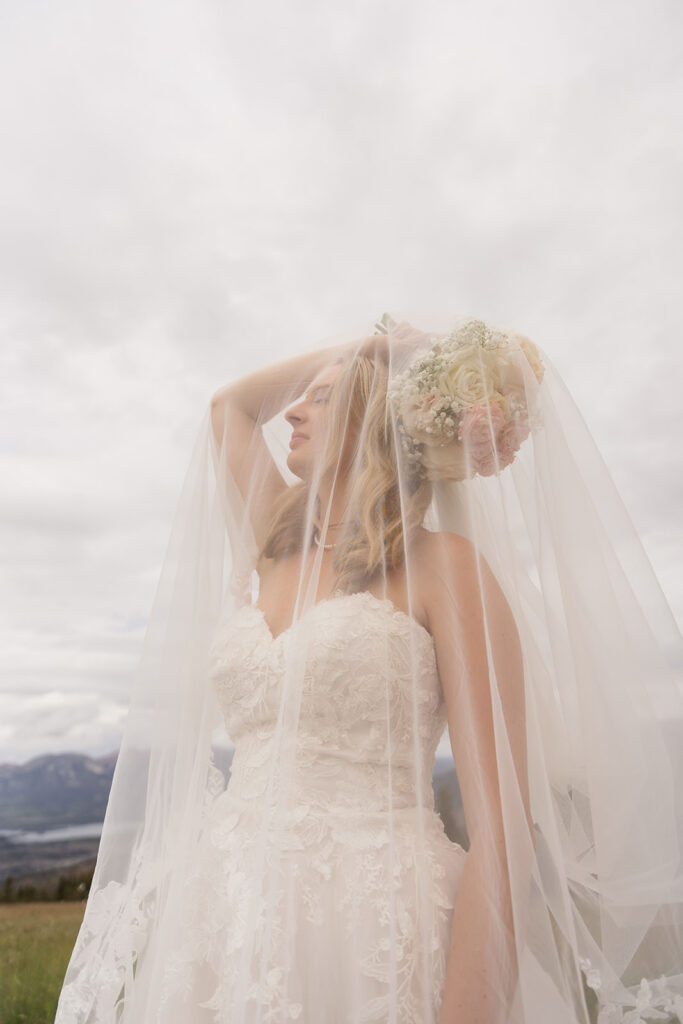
(309, 420)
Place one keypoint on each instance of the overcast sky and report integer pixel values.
(189, 189)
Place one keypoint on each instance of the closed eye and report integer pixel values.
(320, 394)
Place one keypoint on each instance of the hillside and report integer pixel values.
(55, 790)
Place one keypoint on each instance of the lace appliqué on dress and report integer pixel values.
(112, 938)
(654, 1000)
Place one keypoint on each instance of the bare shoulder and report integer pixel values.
(438, 552)
(450, 574)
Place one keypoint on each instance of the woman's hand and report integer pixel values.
(401, 338)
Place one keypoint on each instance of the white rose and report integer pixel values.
(421, 417)
(471, 377)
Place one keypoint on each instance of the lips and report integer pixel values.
(297, 437)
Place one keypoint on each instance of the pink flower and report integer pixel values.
(479, 430)
(510, 438)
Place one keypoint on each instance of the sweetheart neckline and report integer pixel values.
(384, 602)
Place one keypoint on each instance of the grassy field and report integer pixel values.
(36, 940)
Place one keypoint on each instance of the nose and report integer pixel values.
(295, 414)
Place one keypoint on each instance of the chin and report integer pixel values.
(296, 466)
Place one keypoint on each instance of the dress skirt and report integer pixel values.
(338, 918)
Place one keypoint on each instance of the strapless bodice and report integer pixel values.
(366, 676)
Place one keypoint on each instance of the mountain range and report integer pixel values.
(55, 790)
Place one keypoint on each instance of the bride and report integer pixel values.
(405, 538)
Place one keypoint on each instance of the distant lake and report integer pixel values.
(53, 835)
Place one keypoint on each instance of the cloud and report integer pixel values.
(57, 722)
(193, 189)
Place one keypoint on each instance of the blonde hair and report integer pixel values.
(386, 499)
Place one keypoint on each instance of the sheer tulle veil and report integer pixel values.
(472, 489)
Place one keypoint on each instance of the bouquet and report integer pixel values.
(464, 407)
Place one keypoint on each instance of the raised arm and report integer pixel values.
(486, 723)
(238, 411)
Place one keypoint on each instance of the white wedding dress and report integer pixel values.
(343, 845)
(320, 886)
